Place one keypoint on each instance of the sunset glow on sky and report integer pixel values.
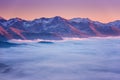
(99, 10)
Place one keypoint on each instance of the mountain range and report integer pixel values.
(56, 28)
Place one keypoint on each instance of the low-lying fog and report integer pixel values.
(84, 59)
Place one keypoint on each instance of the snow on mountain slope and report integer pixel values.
(76, 27)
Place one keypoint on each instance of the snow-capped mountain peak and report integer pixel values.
(1, 17)
(58, 18)
(57, 27)
(43, 20)
(115, 23)
(78, 20)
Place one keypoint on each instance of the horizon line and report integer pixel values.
(59, 16)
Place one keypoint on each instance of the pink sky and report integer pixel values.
(99, 10)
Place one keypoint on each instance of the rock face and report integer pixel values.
(55, 28)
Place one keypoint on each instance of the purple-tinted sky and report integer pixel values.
(100, 10)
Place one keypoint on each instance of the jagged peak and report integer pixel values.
(114, 23)
(17, 19)
(42, 20)
(59, 18)
(80, 20)
(2, 18)
(47, 20)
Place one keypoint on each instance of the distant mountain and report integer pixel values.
(55, 28)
